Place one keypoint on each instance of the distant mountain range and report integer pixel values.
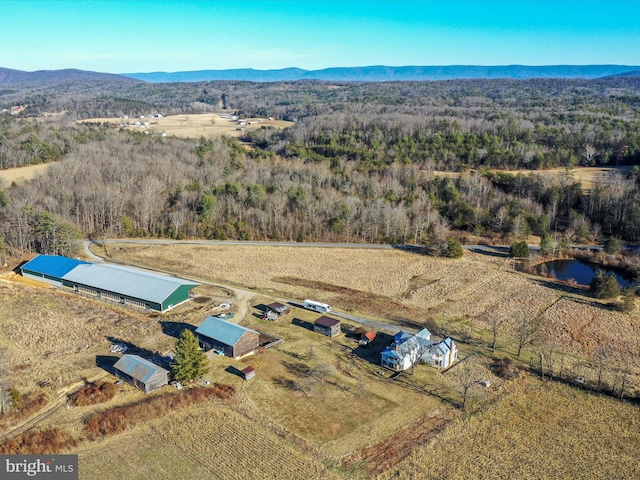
(383, 73)
(339, 74)
(9, 76)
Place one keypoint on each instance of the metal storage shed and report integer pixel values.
(233, 340)
(142, 373)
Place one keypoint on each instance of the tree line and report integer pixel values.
(361, 165)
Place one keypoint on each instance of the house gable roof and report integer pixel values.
(327, 322)
(127, 281)
(222, 331)
(52, 265)
(443, 347)
(137, 367)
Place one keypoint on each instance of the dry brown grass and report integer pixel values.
(536, 430)
(208, 125)
(51, 336)
(391, 450)
(589, 177)
(207, 441)
(125, 417)
(22, 174)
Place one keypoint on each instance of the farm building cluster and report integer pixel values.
(111, 283)
(216, 335)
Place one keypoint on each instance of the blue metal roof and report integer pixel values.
(222, 331)
(127, 281)
(137, 367)
(52, 265)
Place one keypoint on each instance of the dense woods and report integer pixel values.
(360, 165)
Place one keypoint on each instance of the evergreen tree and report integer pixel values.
(628, 303)
(520, 249)
(604, 286)
(612, 246)
(454, 249)
(546, 244)
(189, 361)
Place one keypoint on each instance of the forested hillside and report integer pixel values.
(359, 165)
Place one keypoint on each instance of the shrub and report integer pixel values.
(119, 419)
(520, 249)
(52, 440)
(454, 249)
(505, 368)
(93, 393)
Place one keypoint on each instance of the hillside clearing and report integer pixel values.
(208, 125)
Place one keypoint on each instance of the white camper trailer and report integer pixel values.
(317, 306)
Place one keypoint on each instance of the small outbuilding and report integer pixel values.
(145, 375)
(215, 333)
(278, 308)
(366, 339)
(327, 326)
(248, 373)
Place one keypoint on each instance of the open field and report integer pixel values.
(320, 407)
(22, 174)
(536, 430)
(208, 125)
(399, 286)
(589, 177)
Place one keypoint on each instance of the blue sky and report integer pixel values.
(164, 35)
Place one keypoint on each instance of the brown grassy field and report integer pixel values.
(395, 285)
(589, 177)
(208, 125)
(319, 407)
(22, 174)
(535, 430)
(209, 441)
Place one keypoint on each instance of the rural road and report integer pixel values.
(243, 297)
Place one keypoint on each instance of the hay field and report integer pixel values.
(397, 286)
(589, 177)
(22, 174)
(51, 336)
(474, 286)
(209, 125)
(208, 441)
(536, 430)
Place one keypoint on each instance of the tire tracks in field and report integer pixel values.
(48, 411)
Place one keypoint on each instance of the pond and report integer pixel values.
(582, 272)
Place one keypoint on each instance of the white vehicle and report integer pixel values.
(317, 306)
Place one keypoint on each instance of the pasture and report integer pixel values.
(589, 177)
(321, 407)
(209, 125)
(22, 174)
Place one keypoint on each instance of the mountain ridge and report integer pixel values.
(11, 76)
(381, 73)
(375, 73)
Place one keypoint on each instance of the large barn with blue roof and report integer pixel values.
(114, 283)
(49, 268)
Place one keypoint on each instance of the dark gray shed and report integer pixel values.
(327, 326)
(145, 375)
